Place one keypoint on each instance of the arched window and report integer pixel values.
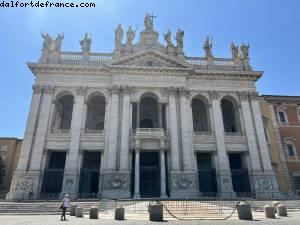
(149, 113)
(63, 113)
(290, 148)
(95, 113)
(230, 116)
(200, 115)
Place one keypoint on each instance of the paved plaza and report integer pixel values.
(292, 219)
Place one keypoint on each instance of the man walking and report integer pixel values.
(64, 206)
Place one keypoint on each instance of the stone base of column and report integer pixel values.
(70, 184)
(116, 184)
(136, 195)
(265, 185)
(25, 185)
(225, 185)
(183, 184)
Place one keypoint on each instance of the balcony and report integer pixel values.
(149, 138)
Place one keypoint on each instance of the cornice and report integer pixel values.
(38, 68)
(230, 74)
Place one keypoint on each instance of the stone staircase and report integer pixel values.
(39, 207)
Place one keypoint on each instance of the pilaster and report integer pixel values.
(71, 173)
(223, 172)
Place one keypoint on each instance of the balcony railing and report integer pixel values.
(88, 131)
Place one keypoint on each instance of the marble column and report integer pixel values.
(125, 131)
(27, 144)
(185, 132)
(250, 134)
(262, 143)
(35, 160)
(137, 115)
(159, 115)
(175, 165)
(224, 174)
(72, 167)
(113, 129)
(137, 174)
(267, 183)
(163, 193)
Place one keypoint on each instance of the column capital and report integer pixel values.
(171, 90)
(48, 90)
(184, 92)
(214, 95)
(127, 90)
(253, 95)
(244, 96)
(80, 91)
(37, 89)
(114, 89)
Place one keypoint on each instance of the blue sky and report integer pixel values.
(271, 28)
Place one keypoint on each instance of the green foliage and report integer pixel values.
(2, 171)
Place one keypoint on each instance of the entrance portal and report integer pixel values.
(239, 175)
(206, 175)
(89, 175)
(54, 174)
(149, 175)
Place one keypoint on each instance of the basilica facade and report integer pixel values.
(143, 121)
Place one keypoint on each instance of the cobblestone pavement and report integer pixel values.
(292, 219)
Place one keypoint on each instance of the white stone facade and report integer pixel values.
(123, 78)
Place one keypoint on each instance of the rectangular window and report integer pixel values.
(282, 117)
(297, 182)
(290, 150)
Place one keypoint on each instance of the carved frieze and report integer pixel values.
(116, 181)
(183, 181)
(24, 185)
(253, 95)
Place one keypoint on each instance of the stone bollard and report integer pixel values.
(156, 213)
(119, 214)
(275, 204)
(79, 212)
(244, 211)
(94, 212)
(281, 210)
(72, 209)
(269, 211)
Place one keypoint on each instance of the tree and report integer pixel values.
(2, 171)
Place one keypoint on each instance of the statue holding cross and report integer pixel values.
(148, 22)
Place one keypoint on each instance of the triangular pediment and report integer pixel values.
(150, 58)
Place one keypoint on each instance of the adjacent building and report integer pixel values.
(145, 120)
(285, 111)
(9, 152)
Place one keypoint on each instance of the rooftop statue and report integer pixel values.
(167, 38)
(179, 38)
(51, 45)
(234, 51)
(208, 48)
(244, 51)
(130, 36)
(86, 43)
(118, 36)
(148, 22)
(58, 42)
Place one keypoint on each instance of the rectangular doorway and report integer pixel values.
(149, 175)
(89, 175)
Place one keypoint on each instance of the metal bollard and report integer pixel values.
(79, 212)
(275, 204)
(244, 211)
(119, 214)
(72, 209)
(94, 212)
(269, 211)
(156, 213)
(281, 210)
